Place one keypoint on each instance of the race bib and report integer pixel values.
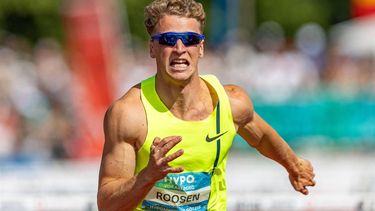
(186, 191)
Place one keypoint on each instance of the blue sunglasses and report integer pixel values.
(171, 38)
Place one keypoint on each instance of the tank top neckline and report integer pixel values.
(170, 114)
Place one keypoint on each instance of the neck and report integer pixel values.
(188, 100)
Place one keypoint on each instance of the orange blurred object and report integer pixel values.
(362, 8)
(91, 37)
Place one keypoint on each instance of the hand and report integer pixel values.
(158, 166)
(302, 175)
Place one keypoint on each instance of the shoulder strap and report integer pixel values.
(218, 141)
(149, 95)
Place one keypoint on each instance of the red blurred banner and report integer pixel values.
(362, 8)
(91, 35)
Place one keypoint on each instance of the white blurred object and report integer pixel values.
(356, 37)
(52, 186)
(279, 76)
(345, 181)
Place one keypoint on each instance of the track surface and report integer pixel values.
(345, 181)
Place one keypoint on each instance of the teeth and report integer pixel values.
(179, 65)
(179, 61)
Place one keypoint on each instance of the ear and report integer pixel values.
(152, 49)
(201, 49)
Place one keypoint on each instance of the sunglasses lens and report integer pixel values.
(191, 39)
(168, 39)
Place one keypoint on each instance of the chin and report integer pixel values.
(180, 75)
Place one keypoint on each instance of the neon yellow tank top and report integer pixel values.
(206, 144)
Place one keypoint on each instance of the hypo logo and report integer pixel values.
(179, 179)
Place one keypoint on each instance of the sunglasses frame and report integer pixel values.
(179, 36)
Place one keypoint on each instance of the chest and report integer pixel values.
(199, 142)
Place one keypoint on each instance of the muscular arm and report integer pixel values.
(125, 129)
(119, 188)
(260, 135)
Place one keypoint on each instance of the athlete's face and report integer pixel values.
(178, 62)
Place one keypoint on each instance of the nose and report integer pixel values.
(180, 47)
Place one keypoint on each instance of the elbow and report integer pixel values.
(103, 201)
(107, 202)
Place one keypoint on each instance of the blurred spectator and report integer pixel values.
(134, 66)
(37, 117)
(349, 74)
(311, 41)
(276, 71)
(350, 68)
(34, 101)
(55, 81)
(53, 74)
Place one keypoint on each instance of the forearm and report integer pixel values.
(274, 147)
(260, 135)
(124, 194)
(300, 171)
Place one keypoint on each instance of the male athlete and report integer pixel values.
(167, 139)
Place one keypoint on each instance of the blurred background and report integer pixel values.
(309, 66)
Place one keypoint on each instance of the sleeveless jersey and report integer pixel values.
(206, 143)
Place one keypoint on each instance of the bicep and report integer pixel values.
(119, 154)
(249, 124)
(118, 162)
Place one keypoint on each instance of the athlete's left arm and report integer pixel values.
(260, 135)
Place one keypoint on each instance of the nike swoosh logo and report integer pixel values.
(208, 139)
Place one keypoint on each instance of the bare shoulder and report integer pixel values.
(125, 119)
(124, 124)
(241, 104)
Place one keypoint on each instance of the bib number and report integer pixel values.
(187, 191)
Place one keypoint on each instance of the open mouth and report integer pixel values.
(179, 63)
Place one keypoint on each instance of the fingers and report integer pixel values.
(168, 169)
(163, 146)
(154, 144)
(173, 170)
(302, 176)
(169, 141)
(172, 157)
(300, 184)
(304, 191)
(159, 160)
(306, 181)
(156, 141)
(161, 142)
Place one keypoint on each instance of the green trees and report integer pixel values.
(33, 19)
(30, 19)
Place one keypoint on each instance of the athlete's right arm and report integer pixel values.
(124, 126)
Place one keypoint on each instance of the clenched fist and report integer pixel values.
(302, 176)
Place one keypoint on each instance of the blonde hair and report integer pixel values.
(183, 8)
